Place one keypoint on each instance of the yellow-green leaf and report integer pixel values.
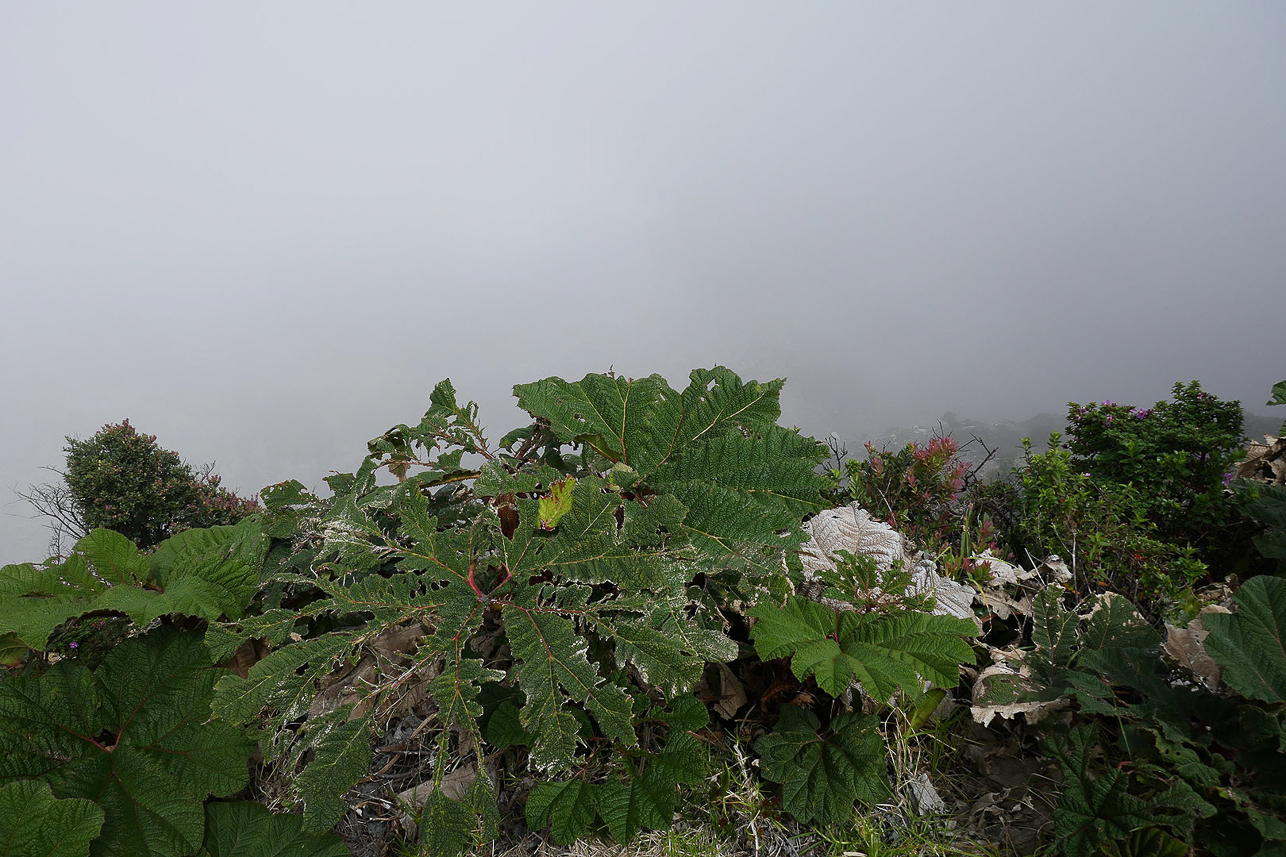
(557, 504)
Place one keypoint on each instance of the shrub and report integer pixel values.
(563, 597)
(914, 489)
(1051, 506)
(1176, 456)
(122, 480)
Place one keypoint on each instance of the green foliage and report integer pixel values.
(858, 581)
(645, 797)
(824, 771)
(206, 573)
(246, 829)
(715, 448)
(1135, 501)
(1175, 456)
(558, 594)
(1251, 644)
(1096, 808)
(451, 827)
(580, 563)
(566, 808)
(885, 653)
(342, 754)
(1267, 505)
(1279, 398)
(132, 737)
(1154, 758)
(1062, 640)
(40, 825)
(914, 489)
(1146, 842)
(1054, 507)
(557, 504)
(880, 646)
(121, 480)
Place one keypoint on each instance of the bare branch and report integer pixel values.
(54, 501)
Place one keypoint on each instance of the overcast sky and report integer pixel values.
(264, 231)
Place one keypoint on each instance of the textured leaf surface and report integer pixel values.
(566, 808)
(284, 680)
(247, 829)
(447, 826)
(1053, 633)
(11, 649)
(1114, 624)
(33, 823)
(205, 573)
(342, 756)
(553, 661)
(627, 807)
(823, 772)
(212, 569)
(113, 557)
(1251, 644)
(715, 448)
(885, 653)
(504, 729)
(134, 738)
(557, 504)
(1096, 808)
(687, 713)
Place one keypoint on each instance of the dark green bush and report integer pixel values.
(1176, 457)
(1050, 506)
(121, 480)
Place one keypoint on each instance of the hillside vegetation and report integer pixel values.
(655, 618)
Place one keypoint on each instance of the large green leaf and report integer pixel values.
(1267, 505)
(1096, 808)
(824, 771)
(1279, 394)
(33, 823)
(885, 653)
(247, 829)
(552, 663)
(12, 649)
(626, 806)
(716, 448)
(451, 828)
(135, 738)
(342, 756)
(1054, 634)
(1114, 623)
(205, 573)
(1250, 644)
(567, 808)
(210, 569)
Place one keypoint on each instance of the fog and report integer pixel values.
(263, 232)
